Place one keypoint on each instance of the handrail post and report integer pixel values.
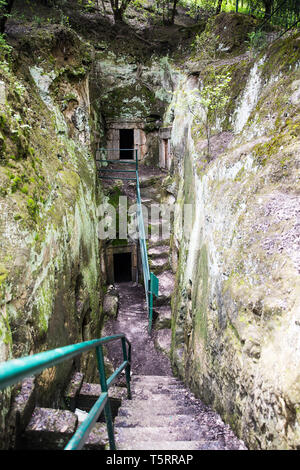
(136, 159)
(127, 370)
(104, 388)
(150, 307)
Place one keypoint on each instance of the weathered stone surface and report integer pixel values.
(2, 93)
(163, 340)
(20, 412)
(164, 317)
(50, 265)
(98, 438)
(90, 393)
(159, 264)
(236, 303)
(111, 304)
(49, 429)
(164, 415)
(166, 286)
(73, 390)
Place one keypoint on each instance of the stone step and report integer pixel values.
(22, 407)
(134, 312)
(148, 181)
(162, 389)
(163, 406)
(146, 201)
(89, 394)
(155, 242)
(152, 433)
(163, 340)
(154, 379)
(98, 438)
(159, 264)
(158, 251)
(49, 429)
(166, 286)
(73, 389)
(156, 420)
(171, 445)
(164, 316)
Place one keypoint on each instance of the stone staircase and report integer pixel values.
(158, 256)
(162, 415)
(49, 428)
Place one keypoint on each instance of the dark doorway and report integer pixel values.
(122, 267)
(126, 143)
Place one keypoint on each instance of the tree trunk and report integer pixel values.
(173, 11)
(219, 6)
(268, 8)
(118, 16)
(207, 128)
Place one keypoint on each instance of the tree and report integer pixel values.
(119, 7)
(213, 98)
(173, 12)
(206, 103)
(219, 6)
(268, 7)
(167, 9)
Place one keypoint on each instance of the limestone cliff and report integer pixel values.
(49, 249)
(236, 311)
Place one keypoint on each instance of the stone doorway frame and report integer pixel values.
(113, 138)
(111, 250)
(165, 157)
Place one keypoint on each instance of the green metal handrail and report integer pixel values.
(147, 275)
(15, 370)
(144, 254)
(110, 170)
(150, 280)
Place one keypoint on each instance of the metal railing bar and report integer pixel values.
(140, 223)
(104, 388)
(112, 149)
(114, 376)
(16, 370)
(116, 171)
(82, 433)
(117, 178)
(130, 162)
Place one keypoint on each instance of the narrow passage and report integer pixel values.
(133, 319)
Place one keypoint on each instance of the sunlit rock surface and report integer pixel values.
(236, 311)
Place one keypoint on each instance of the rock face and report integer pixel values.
(49, 250)
(236, 323)
(235, 312)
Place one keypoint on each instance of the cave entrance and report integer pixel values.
(127, 143)
(122, 267)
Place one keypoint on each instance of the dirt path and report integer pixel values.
(132, 320)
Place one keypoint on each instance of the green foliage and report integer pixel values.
(257, 41)
(207, 102)
(16, 183)
(213, 96)
(206, 45)
(3, 9)
(32, 208)
(5, 49)
(165, 93)
(38, 20)
(199, 9)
